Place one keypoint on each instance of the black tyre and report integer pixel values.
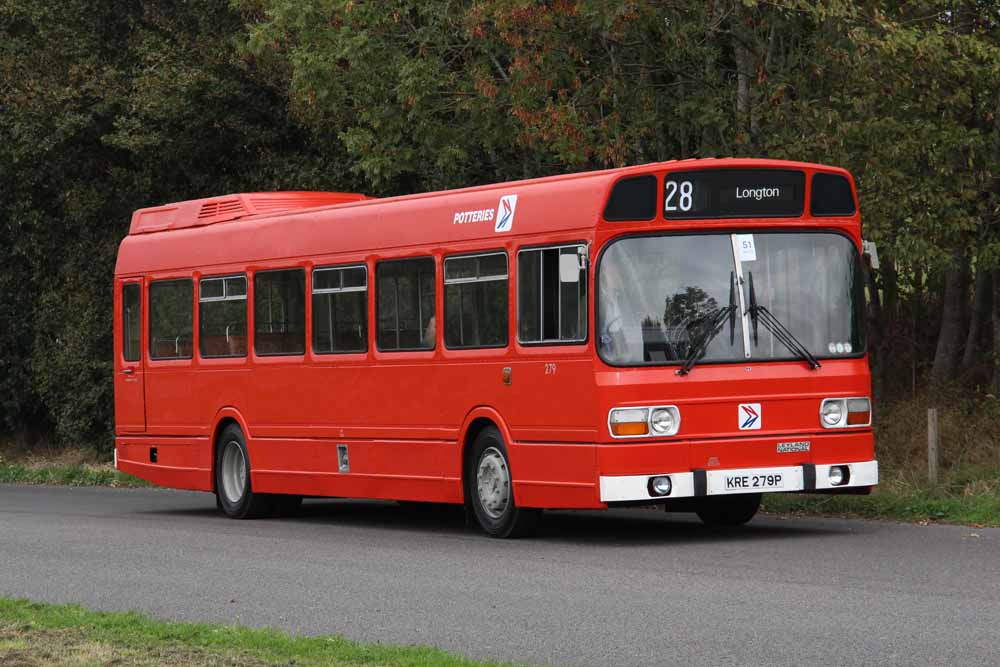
(728, 510)
(233, 490)
(489, 490)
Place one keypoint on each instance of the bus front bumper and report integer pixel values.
(728, 481)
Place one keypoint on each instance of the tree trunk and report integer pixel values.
(996, 332)
(711, 34)
(743, 68)
(949, 343)
(890, 287)
(918, 295)
(980, 312)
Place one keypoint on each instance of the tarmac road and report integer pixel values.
(628, 587)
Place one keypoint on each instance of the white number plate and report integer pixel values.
(754, 480)
(764, 482)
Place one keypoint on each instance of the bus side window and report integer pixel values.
(222, 319)
(131, 321)
(171, 319)
(551, 300)
(475, 301)
(340, 310)
(405, 304)
(279, 312)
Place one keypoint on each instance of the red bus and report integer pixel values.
(688, 333)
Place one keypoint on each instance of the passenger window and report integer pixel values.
(171, 314)
(475, 301)
(279, 312)
(405, 291)
(552, 295)
(131, 321)
(340, 310)
(222, 317)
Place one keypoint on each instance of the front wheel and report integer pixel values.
(728, 510)
(490, 492)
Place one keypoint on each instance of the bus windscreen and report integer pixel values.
(657, 294)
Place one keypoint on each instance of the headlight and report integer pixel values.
(832, 412)
(665, 420)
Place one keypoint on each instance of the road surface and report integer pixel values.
(628, 587)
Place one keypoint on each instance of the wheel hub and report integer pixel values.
(493, 483)
(234, 472)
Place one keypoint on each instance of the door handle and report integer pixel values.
(128, 371)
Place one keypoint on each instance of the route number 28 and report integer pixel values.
(686, 189)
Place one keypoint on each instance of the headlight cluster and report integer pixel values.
(845, 412)
(660, 420)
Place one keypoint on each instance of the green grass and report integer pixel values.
(68, 475)
(915, 507)
(971, 501)
(33, 635)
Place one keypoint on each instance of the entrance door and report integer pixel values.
(130, 404)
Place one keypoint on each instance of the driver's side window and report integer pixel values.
(552, 294)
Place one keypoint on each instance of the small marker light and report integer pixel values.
(660, 486)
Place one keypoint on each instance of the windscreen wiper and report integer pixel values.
(764, 316)
(716, 322)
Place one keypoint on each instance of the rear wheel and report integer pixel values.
(489, 489)
(728, 510)
(234, 493)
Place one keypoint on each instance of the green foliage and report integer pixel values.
(110, 106)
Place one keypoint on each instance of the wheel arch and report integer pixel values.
(476, 420)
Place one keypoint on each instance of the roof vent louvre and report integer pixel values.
(231, 208)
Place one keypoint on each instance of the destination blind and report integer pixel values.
(733, 193)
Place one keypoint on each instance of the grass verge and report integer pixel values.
(69, 475)
(67, 466)
(36, 635)
(916, 506)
